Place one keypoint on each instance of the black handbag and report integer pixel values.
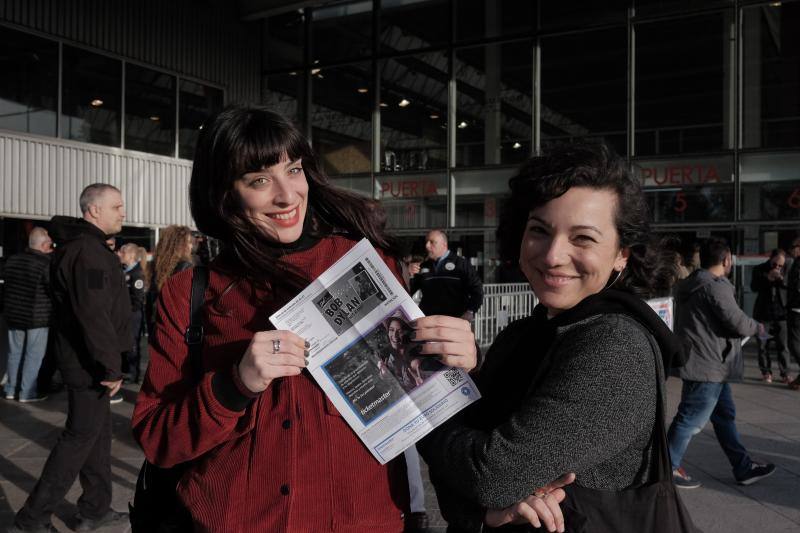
(654, 507)
(156, 508)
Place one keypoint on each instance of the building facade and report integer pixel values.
(427, 105)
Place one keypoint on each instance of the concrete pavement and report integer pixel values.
(768, 419)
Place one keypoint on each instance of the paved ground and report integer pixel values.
(769, 421)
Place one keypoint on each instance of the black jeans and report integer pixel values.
(776, 328)
(793, 334)
(134, 355)
(83, 449)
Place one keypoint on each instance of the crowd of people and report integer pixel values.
(558, 440)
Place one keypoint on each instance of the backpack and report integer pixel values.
(156, 508)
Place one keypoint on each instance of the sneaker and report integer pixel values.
(785, 379)
(110, 518)
(38, 398)
(9, 396)
(682, 480)
(117, 398)
(757, 471)
(766, 378)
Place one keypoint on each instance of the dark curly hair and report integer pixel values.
(650, 270)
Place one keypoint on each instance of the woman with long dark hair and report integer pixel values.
(572, 388)
(267, 451)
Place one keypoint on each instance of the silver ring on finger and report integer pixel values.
(276, 345)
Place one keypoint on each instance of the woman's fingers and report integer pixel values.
(272, 354)
(562, 481)
(450, 339)
(434, 321)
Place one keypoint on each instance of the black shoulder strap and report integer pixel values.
(194, 332)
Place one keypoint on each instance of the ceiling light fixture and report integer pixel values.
(315, 71)
(363, 90)
(462, 125)
(434, 116)
(96, 102)
(384, 104)
(155, 118)
(404, 103)
(516, 146)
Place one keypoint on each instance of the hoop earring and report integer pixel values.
(619, 274)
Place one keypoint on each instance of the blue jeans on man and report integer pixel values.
(700, 402)
(26, 349)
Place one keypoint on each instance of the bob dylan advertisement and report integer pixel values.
(378, 369)
(349, 299)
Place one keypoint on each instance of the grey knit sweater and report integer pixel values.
(592, 413)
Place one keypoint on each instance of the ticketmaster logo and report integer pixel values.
(374, 403)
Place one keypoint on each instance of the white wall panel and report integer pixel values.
(42, 177)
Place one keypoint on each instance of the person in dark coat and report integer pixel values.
(91, 324)
(28, 310)
(449, 284)
(135, 280)
(769, 285)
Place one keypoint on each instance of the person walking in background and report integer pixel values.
(134, 267)
(449, 284)
(28, 311)
(91, 324)
(711, 323)
(793, 309)
(768, 284)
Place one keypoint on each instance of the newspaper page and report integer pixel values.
(356, 317)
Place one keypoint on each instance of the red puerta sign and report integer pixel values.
(683, 173)
(408, 188)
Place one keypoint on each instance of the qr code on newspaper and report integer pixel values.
(453, 376)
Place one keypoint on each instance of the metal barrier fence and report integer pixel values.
(502, 304)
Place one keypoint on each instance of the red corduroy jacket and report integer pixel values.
(287, 462)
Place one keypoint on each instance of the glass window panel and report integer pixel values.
(281, 93)
(92, 97)
(149, 110)
(29, 84)
(699, 189)
(414, 112)
(771, 58)
(342, 32)
(770, 185)
(494, 104)
(413, 201)
(479, 195)
(197, 103)
(577, 13)
(414, 24)
(658, 7)
(362, 185)
(584, 88)
(341, 117)
(683, 86)
(478, 19)
(285, 40)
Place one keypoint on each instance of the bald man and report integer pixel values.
(28, 311)
(449, 284)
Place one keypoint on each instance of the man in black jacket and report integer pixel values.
(91, 328)
(768, 284)
(449, 284)
(28, 310)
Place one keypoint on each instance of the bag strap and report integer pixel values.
(194, 331)
(663, 471)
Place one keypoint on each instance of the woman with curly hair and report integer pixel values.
(573, 388)
(173, 253)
